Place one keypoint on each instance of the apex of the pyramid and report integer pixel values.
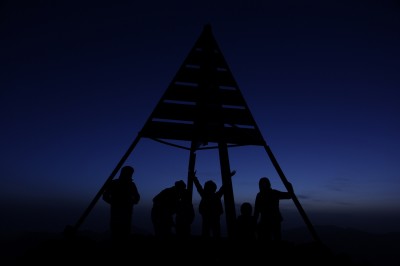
(207, 27)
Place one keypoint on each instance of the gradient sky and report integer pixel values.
(78, 82)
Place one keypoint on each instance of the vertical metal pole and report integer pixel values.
(229, 200)
(191, 168)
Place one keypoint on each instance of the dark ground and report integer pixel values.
(341, 246)
(141, 249)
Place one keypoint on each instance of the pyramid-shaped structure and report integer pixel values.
(202, 105)
(203, 102)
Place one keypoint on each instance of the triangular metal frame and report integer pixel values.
(203, 105)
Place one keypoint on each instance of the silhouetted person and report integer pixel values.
(246, 223)
(122, 194)
(210, 207)
(184, 216)
(267, 209)
(164, 208)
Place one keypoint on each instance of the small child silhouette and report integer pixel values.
(246, 224)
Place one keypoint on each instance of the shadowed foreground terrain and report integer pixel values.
(145, 249)
(341, 246)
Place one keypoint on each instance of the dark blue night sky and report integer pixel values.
(79, 79)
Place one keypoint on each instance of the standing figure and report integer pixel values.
(210, 207)
(246, 224)
(122, 194)
(164, 208)
(184, 216)
(267, 209)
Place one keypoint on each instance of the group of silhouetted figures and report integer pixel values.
(173, 213)
(172, 216)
